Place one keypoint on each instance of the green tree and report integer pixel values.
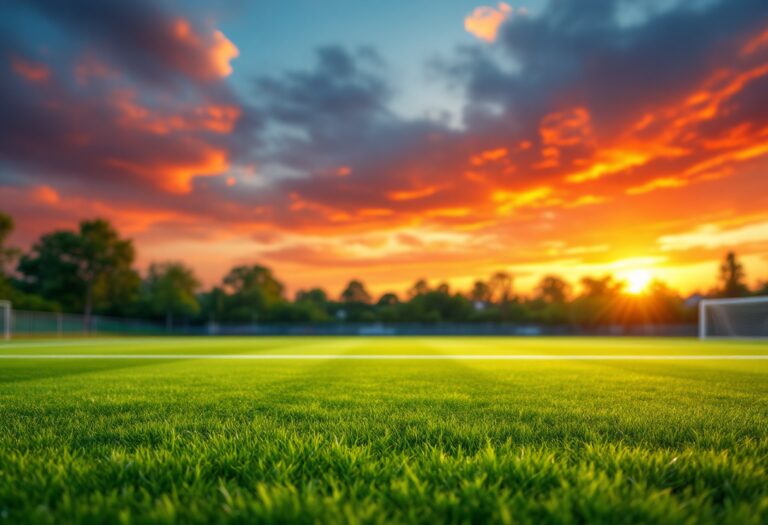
(315, 296)
(170, 289)
(8, 289)
(252, 290)
(79, 268)
(213, 304)
(8, 254)
(732, 277)
(313, 305)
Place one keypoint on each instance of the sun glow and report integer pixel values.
(637, 281)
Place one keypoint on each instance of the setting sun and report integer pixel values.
(637, 281)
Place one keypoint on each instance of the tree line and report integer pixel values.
(91, 270)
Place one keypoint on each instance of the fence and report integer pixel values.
(30, 324)
(450, 329)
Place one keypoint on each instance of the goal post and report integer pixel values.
(734, 318)
(6, 318)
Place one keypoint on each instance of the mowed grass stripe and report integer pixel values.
(325, 345)
(396, 357)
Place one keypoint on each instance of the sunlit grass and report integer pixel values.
(382, 441)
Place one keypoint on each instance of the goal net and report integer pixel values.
(6, 316)
(742, 318)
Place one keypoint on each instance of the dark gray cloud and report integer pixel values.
(577, 52)
(127, 104)
(146, 38)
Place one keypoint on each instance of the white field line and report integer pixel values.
(396, 357)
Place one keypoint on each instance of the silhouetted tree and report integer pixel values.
(420, 287)
(732, 277)
(605, 286)
(660, 304)
(598, 302)
(388, 299)
(355, 292)
(480, 292)
(549, 302)
(500, 286)
(553, 290)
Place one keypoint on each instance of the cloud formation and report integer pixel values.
(579, 124)
(484, 22)
(130, 97)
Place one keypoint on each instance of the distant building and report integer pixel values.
(693, 300)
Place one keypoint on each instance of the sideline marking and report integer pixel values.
(477, 357)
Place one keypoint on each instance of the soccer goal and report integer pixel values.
(6, 318)
(738, 318)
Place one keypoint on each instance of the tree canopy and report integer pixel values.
(91, 269)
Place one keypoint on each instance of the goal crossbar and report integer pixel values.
(751, 322)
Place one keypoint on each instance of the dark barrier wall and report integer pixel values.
(448, 329)
(25, 323)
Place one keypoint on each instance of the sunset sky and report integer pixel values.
(389, 141)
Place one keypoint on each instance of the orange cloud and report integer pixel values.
(407, 195)
(327, 213)
(45, 195)
(222, 53)
(755, 43)
(178, 177)
(448, 212)
(31, 71)
(566, 128)
(213, 118)
(217, 49)
(484, 21)
(609, 162)
(375, 212)
(512, 200)
(673, 132)
(563, 129)
(655, 184)
(489, 156)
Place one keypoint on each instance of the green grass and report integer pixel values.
(306, 441)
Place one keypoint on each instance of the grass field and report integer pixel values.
(346, 441)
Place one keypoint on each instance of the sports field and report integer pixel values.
(369, 430)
